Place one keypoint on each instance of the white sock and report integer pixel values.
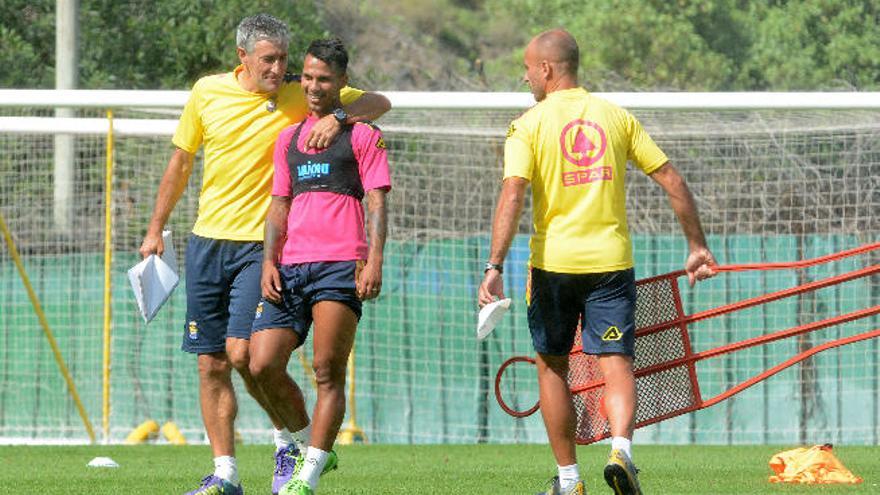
(568, 476)
(624, 444)
(225, 468)
(301, 438)
(312, 467)
(282, 438)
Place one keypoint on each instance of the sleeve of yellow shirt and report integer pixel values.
(348, 95)
(519, 160)
(643, 151)
(188, 135)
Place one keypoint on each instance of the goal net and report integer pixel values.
(772, 183)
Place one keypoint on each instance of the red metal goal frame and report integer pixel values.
(680, 370)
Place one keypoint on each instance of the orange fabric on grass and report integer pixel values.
(815, 465)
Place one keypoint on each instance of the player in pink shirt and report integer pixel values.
(326, 267)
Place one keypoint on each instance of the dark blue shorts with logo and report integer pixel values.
(604, 302)
(303, 285)
(222, 291)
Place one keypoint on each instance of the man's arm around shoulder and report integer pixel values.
(370, 106)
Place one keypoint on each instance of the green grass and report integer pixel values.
(430, 469)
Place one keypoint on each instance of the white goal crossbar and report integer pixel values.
(467, 100)
(136, 99)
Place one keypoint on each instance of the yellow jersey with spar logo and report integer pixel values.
(238, 130)
(573, 147)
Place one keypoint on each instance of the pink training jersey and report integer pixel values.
(327, 226)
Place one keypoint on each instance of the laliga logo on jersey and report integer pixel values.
(583, 143)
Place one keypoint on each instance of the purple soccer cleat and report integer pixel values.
(212, 485)
(285, 466)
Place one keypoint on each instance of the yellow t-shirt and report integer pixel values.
(238, 132)
(573, 148)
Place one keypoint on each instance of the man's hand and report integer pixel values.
(152, 244)
(369, 280)
(491, 289)
(270, 282)
(323, 132)
(699, 265)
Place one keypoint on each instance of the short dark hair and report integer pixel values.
(330, 51)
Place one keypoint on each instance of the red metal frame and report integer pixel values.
(690, 358)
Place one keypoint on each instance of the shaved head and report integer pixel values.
(551, 63)
(558, 47)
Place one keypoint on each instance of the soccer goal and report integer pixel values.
(777, 177)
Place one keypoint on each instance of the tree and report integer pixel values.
(697, 45)
(27, 44)
(163, 44)
(818, 45)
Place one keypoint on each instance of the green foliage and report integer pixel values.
(27, 44)
(171, 43)
(700, 45)
(637, 44)
(818, 44)
(141, 45)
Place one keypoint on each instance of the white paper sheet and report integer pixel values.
(154, 278)
(489, 316)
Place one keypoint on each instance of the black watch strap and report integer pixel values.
(493, 266)
(340, 115)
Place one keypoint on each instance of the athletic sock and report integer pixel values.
(312, 466)
(301, 438)
(568, 477)
(225, 468)
(624, 444)
(282, 438)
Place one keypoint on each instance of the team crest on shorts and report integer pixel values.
(193, 328)
(613, 333)
(259, 311)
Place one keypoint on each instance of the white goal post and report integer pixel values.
(777, 177)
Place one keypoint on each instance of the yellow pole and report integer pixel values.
(306, 368)
(46, 330)
(351, 401)
(108, 261)
(351, 432)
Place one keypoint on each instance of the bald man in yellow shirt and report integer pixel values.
(236, 117)
(572, 149)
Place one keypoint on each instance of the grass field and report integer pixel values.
(434, 469)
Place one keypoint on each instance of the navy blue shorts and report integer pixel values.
(222, 291)
(604, 302)
(303, 285)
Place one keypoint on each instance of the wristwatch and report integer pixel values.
(340, 115)
(493, 266)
